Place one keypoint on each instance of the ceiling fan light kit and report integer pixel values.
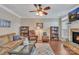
(39, 13)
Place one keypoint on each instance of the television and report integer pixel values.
(74, 15)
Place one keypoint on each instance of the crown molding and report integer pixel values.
(10, 11)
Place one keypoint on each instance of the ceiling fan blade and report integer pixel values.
(45, 13)
(32, 11)
(40, 6)
(47, 8)
(35, 5)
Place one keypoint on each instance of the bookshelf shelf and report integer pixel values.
(54, 33)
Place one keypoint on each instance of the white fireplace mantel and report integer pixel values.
(70, 32)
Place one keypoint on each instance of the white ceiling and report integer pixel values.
(56, 10)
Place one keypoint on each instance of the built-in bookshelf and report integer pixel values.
(54, 33)
(24, 31)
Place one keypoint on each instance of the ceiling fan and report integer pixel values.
(40, 10)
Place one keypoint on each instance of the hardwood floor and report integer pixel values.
(59, 49)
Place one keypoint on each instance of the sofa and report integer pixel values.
(7, 43)
(72, 46)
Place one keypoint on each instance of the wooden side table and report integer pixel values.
(45, 38)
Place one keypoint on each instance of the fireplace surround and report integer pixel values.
(75, 35)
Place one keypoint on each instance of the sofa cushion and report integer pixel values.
(26, 41)
(71, 46)
(4, 51)
(16, 37)
(9, 46)
(4, 40)
(11, 37)
(13, 44)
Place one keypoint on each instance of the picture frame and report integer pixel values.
(40, 25)
(73, 15)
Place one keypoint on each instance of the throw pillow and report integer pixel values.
(26, 41)
(16, 37)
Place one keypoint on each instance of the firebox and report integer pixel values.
(75, 37)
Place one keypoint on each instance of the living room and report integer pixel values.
(16, 17)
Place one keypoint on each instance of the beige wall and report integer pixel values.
(15, 22)
(47, 22)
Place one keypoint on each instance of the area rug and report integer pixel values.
(43, 49)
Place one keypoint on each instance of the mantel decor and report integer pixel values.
(5, 23)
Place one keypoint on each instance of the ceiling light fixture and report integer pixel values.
(40, 11)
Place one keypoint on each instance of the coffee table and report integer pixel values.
(23, 49)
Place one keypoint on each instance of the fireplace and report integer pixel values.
(75, 37)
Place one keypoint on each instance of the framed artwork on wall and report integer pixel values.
(40, 25)
(5, 23)
(73, 15)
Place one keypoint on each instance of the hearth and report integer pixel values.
(75, 37)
